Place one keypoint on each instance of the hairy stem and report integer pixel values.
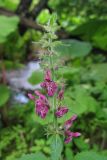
(54, 97)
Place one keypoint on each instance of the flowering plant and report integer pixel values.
(52, 100)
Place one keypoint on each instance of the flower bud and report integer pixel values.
(31, 96)
(61, 111)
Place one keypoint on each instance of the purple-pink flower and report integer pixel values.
(61, 111)
(41, 96)
(69, 122)
(41, 104)
(48, 75)
(31, 96)
(69, 135)
(61, 94)
(41, 109)
(48, 84)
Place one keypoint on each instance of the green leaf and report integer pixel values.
(9, 4)
(56, 147)
(101, 123)
(81, 144)
(98, 72)
(1, 3)
(94, 30)
(82, 103)
(88, 29)
(7, 26)
(36, 77)
(4, 94)
(67, 72)
(36, 156)
(73, 48)
(78, 102)
(43, 16)
(100, 38)
(89, 155)
(68, 153)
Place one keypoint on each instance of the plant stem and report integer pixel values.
(52, 67)
(54, 98)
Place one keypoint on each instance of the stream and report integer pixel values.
(18, 81)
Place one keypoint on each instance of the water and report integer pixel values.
(18, 79)
(18, 82)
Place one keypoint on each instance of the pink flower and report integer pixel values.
(41, 96)
(68, 139)
(41, 110)
(61, 94)
(42, 105)
(76, 134)
(51, 87)
(61, 111)
(48, 75)
(69, 135)
(31, 96)
(48, 84)
(69, 122)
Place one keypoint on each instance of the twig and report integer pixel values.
(23, 20)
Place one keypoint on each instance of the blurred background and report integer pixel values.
(83, 31)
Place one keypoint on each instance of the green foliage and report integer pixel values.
(9, 4)
(68, 153)
(100, 38)
(8, 25)
(88, 29)
(7, 136)
(40, 145)
(36, 77)
(73, 48)
(84, 74)
(80, 101)
(98, 72)
(56, 147)
(89, 155)
(4, 94)
(80, 97)
(81, 144)
(44, 16)
(67, 72)
(95, 31)
(10, 65)
(36, 156)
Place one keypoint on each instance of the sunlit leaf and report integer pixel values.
(7, 26)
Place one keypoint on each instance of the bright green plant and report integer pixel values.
(80, 99)
(53, 101)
